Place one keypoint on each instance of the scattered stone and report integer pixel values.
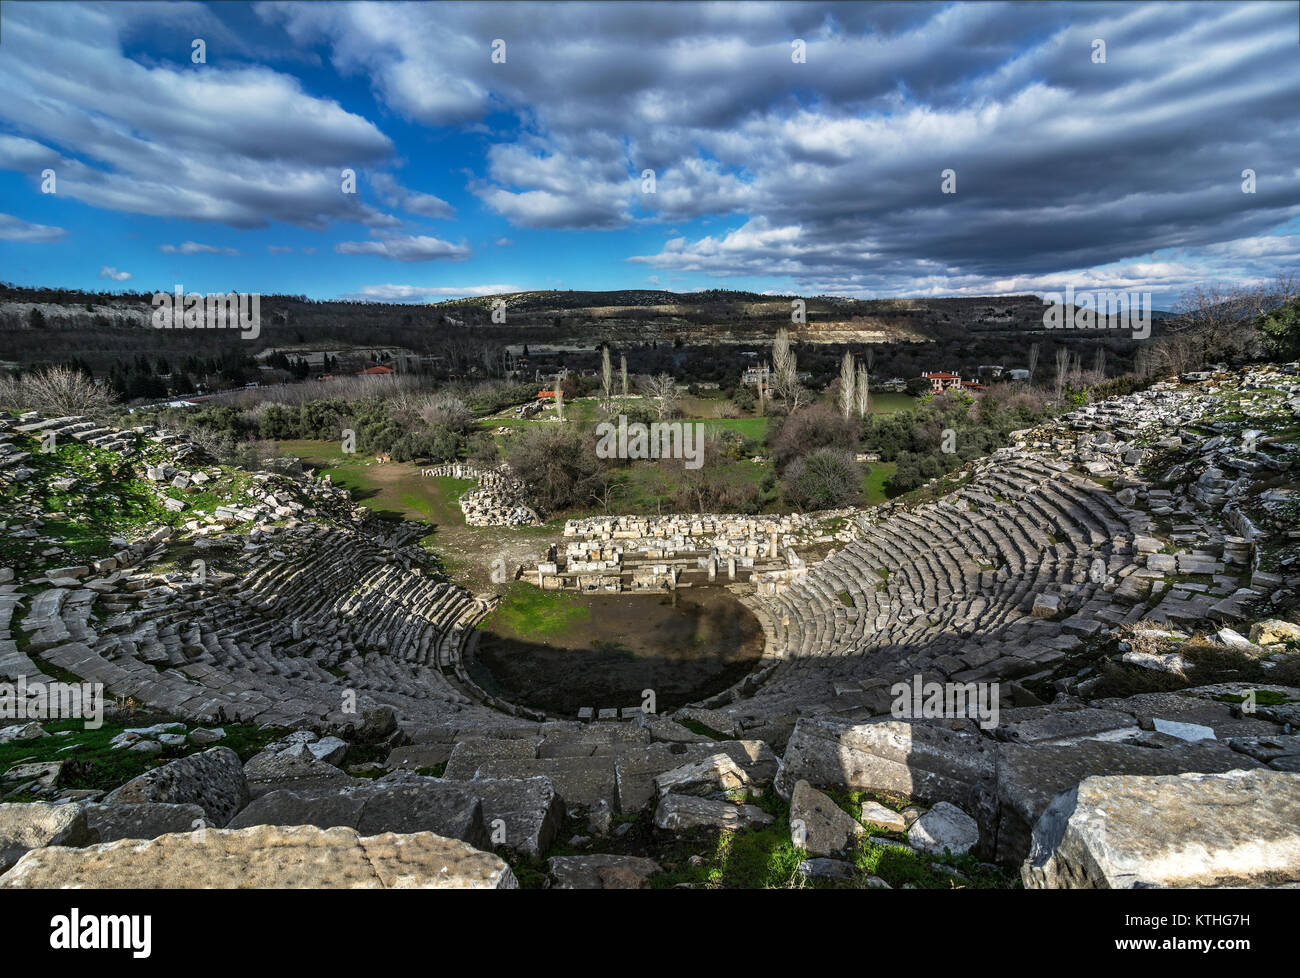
(944, 828)
(874, 813)
(591, 872)
(679, 813)
(22, 731)
(147, 820)
(819, 825)
(826, 869)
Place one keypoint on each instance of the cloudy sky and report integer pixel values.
(477, 174)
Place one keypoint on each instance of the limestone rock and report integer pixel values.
(594, 872)
(1238, 828)
(713, 774)
(266, 857)
(147, 820)
(214, 780)
(680, 813)
(819, 825)
(372, 808)
(1274, 632)
(1029, 777)
(944, 827)
(874, 813)
(922, 761)
(826, 869)
(22, 731)
(35, 825)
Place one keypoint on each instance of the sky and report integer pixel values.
(791, 148)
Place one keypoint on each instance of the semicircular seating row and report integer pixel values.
(319, 612)
(946, 589)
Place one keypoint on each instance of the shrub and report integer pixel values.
(825, 478)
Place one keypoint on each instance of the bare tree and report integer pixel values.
(785, 372)
(847, 378)
(1099, 367)
(662, 390)
(559, 403)
(606, 377)
(1062, 368)
(59, 391)
(1033, 361)
(862, 391)
(622, 373)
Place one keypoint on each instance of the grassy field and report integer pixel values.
(393, 489)
(526, 611)
(873, 486)
(890, 403)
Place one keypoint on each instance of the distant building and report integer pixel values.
(376, 371)
(941, 381)
(1018, 374)
(992, 369)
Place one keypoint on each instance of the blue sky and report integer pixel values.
(815, 177)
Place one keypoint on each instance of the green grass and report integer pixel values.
(873, 485)
(889, 402)
(768, 859)
(93, 764)
(529, 611)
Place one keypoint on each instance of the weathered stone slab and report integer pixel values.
(819, 825)
(1029, 777)
(580, 781)
(1066, 724)
(636, 770)
(146, 820)
(469, 755)
(214, 780)
(32, 826)
(944, 828)
(922, 761)
(266, 857)
(1239, 828)
(713, 774)
(600, 871)
(679, 813)
(424, 805)
(874, 813)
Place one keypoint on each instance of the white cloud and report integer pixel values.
(231, 144)
(195, 248)
(406, 247)
(108, 271)
(16, 229)
(422, 293)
